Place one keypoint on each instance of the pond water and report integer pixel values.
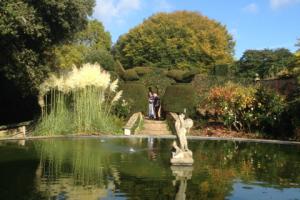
(139, 169)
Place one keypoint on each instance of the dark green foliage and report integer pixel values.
(119, 68)
(143, 70)
(130, 75)
(294, 110)
(267, 63)
(221, 70)
(29, 29)
(156, 80)
(270, 109)
(103, 57)
(89, 45)
(136, 95)
(179, 97)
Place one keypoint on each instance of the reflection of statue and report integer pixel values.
(182, 174)
(182, 154)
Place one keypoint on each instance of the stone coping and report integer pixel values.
(152, 136)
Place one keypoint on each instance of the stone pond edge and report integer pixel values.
(154, 136)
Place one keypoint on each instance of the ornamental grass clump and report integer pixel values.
(245, 108)
(79, 102)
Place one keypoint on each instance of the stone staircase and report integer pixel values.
(152, 127)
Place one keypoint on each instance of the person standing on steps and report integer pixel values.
(151, 113)
(156, 104)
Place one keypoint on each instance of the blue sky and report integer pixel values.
(254, 24)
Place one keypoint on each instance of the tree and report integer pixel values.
(266, 63)
(298, 44)
(94, 36)
(29, 30)
(92, 45)
(180, 39)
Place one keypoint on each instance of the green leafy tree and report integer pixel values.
(103, 57)
(266, 63)
(180, 39)
(94, 36)
(28, 31)
(90, 45)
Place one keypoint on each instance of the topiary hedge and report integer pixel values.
(143, 70)
(136, 95)
(156, 79)
(179, 97)
(182, 76)
(130, 75)
(176, 74)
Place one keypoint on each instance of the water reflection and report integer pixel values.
(108, 169)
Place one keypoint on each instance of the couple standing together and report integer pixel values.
(154, 104)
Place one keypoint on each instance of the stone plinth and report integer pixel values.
(182, 158)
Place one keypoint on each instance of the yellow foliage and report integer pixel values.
(179, 39)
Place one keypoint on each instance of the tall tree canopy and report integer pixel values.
(29, 29)
(179, 39)
(266, 63)
(92, 44)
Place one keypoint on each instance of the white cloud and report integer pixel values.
(251, 8)
(107, 10)
(276, 4)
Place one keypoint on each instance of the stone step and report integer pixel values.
(156, 127)
(154, 132)
(146, 121)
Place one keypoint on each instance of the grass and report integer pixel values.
(79, 108)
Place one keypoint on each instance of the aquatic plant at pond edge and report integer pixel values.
(79, 102)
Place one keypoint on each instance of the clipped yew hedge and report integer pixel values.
(136, 95)
(179, 97)
(130, 75)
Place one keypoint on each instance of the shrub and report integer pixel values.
(122, 109)
(136, 95)
(156, 79)
(130, 75)
(246, 107)
(119, 68)
(179, 97)
(188, 76)
(182, 76)
(176, 74)
(143, 70)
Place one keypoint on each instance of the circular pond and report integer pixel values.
(138, 168)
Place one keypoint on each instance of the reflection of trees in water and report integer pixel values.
(18, 164)
(217, 165)
(223, 162)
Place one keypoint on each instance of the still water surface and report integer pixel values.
(137, 168)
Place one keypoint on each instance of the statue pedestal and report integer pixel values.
(182, 158)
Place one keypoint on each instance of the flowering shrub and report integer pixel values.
(245, 108)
